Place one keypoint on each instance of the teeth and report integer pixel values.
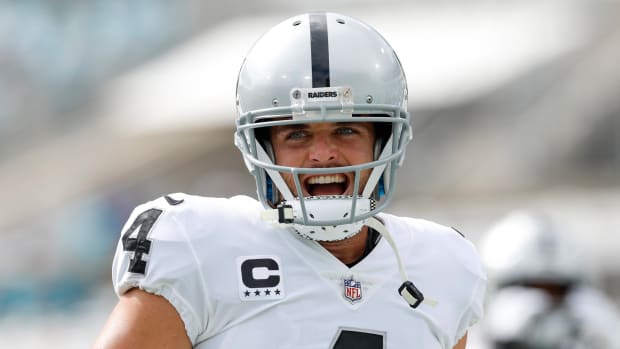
(326, 179)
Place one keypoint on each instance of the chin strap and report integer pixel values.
(377, 172)
(278, 182)
(407, 290)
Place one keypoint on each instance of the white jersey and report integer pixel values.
(240, 282)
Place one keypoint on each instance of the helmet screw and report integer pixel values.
(296, 94)
(369, 99)
(275, 102)
(347, 92)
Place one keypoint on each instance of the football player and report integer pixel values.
(314, 262)
(540, 295)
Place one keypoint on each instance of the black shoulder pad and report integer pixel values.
(172, 201)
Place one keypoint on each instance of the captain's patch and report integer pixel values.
(260, 278)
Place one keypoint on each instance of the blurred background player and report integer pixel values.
(541, 295)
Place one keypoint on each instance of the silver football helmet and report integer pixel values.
(322, 67)
(527, 247)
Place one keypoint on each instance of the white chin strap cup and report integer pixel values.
(322, 218)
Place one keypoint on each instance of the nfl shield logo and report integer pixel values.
(352, 290)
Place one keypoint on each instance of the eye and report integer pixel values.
(296, 134)
(346, 130)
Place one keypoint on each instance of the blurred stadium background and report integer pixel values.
(105, 104)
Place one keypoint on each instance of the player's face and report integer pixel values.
(322, 145)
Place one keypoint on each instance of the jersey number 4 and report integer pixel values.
(356, 339)
(138, 243)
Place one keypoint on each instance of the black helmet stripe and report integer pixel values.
(319, 49)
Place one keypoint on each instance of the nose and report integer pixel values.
(322, 150)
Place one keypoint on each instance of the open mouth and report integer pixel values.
(332, 184)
